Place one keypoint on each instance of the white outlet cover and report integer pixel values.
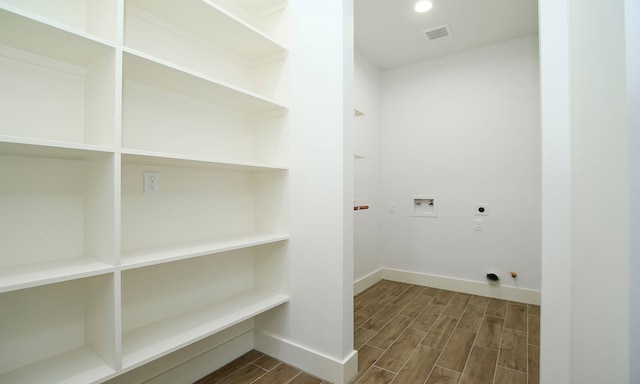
(151, 183)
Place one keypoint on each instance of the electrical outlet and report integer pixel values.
(482, 209)
(151, 183)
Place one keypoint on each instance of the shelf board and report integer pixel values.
(255, 8)
(17, 277)
(158, 73)
(156, 255)
(79, 366)
(144, 344)
(135, 156)
(20, 146)
(214, 24)
(43, 38)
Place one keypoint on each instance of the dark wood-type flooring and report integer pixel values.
(408, 334)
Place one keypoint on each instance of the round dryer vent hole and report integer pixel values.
(492, 278)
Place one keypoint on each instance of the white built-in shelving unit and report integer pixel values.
(96, 277)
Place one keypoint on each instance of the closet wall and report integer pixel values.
(367, 233)
(466, 129)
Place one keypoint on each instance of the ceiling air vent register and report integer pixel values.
(437, 32)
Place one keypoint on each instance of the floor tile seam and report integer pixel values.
(375, 361)
(274, 367)
(232, 373)
(406, 305)
(526, 313)
(415, 349)
(431, 327)
(495, 369)
(526, 352)
(448, 338)
(482, 346)
(369, 339)
(387, 370)
(423, 309)
(473, 344)
(369, 318)
(385, 324)
(447, 343)
(441, 367)
(394, 340)
(369, 301)
(430, 372)
(374, 298)
(291, 379)
(526, 349)
(528, 343)
(460, 319)
(505, 367)
(368, 369)
(517, 331)
(261, 376)
(355, 313)
(511, 369)
(385, 350)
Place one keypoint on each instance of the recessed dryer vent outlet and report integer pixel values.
(492, 278)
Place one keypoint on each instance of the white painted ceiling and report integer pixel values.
(389, 32)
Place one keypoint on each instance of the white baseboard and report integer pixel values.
(317, 364)
(367, 281)
(195, 361)
(206, 363)
(498, 291)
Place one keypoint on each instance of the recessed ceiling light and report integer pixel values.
(423, 6)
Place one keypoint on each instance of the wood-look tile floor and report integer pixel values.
(409, 334)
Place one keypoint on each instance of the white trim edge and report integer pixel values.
(528, 296)
(521, 295)
(367, 281)
(313, 362)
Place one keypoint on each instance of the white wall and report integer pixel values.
(585, 290)
(465, 128)
(632, 9)
(315, 332)
(367, 252)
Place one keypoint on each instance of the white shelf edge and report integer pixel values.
(202, 78)
(57, 41)
(137, 156)
(56, 24)
(158, 255)
(147, 343)
(80, 366)
(268, 48)
(254, 14)
(17, 277)
(51, 148)
(246, 25)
